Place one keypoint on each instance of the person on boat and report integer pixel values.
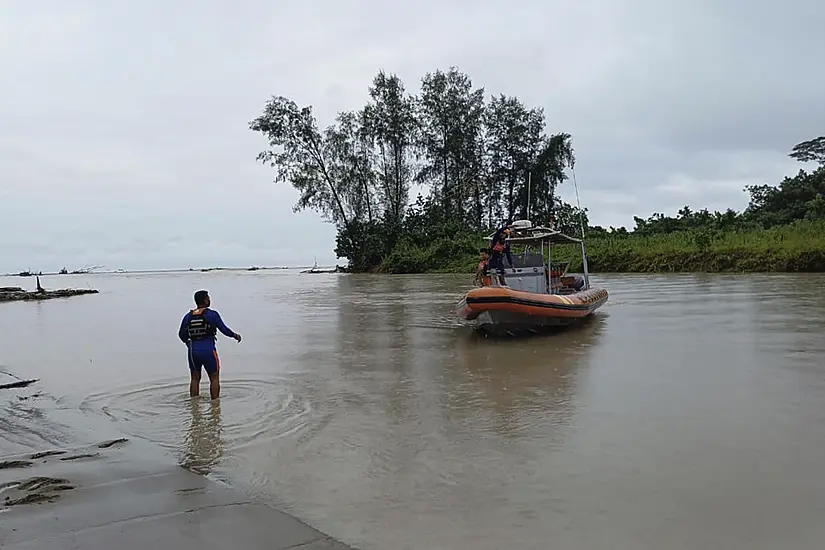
(499, 250)
(482, 277)
(198, 330)
(508, 226)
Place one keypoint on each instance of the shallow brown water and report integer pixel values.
(689, 413)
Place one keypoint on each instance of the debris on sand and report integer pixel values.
(17, 384)
(39, 489)
(4, 465)
(78, 457)
(17, 294)
(34, 490)
(44, 454)
(107, 444)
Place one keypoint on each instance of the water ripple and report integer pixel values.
(251, 411)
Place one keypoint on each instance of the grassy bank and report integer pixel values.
(799, 247)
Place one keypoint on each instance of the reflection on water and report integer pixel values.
(687, 413)
(523, 385)
(202, 441)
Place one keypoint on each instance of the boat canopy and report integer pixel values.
(537, 235)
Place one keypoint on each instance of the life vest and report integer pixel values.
(496, 246)
(483, 265)
(199, 328)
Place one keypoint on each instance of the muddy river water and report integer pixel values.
(688, 414)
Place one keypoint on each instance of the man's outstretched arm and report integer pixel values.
(225, 330)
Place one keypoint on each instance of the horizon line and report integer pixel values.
(165, 270)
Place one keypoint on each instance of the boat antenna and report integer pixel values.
(581, 223)
(529, 181)
(578, 202)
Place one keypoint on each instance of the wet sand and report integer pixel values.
(109, 495)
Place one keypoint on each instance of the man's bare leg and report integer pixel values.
(214, 385)
(194, 383)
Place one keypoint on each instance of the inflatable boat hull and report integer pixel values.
(501, 309)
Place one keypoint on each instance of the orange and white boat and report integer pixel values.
(537, 293)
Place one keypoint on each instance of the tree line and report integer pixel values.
(795, 198)
(480, 159)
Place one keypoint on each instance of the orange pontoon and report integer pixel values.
(537, 293)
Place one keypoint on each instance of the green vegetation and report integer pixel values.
(782, 229)
(481, 161)
(799, 246)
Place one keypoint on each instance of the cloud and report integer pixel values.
(125, 138)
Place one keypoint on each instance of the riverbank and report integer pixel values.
(119, 492)
(99, 497)
(795, 248)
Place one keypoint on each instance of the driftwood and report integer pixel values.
(17, 384)
(15, 294)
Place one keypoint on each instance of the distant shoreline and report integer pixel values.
(725, 263)
(27, 274)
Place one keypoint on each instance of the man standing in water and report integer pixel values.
(198, 330)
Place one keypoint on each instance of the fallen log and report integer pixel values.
(17, 384)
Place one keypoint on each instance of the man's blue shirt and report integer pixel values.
(213, 318)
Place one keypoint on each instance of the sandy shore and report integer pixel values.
(121, 493)
(101, 497)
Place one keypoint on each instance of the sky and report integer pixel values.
(124, 138)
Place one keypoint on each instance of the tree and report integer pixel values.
(791, 200)
(815, 208)
(514, 135)
(476, 160)
(555, 156)
(569, 219)
(811, 150)
(308, 160)
(450, 116)
(390, 123)
(350, 164)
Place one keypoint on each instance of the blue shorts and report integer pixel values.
(208, 359)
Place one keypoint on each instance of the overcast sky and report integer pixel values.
(124, 138)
